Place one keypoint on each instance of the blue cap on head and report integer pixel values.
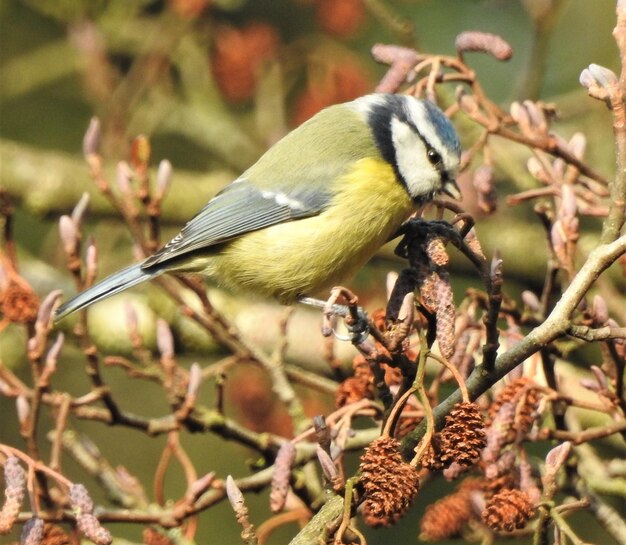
(444, 127)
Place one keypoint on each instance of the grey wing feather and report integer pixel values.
(239, 208)
(119, 281)
(288, 182)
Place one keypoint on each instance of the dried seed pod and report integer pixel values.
(15, 482)
(463, 435)
(390, 483)
(445, 518)
(508, 510)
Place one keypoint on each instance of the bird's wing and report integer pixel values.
(275, 189)
(239, 208)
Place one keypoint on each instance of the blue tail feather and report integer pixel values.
(111, 285)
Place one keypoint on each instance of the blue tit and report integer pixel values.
(315, 207)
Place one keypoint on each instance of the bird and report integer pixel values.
(315, 207)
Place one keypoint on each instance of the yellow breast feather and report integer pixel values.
(294, 258)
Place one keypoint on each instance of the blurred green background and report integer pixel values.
(213, 83)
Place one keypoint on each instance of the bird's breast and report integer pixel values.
(305, 256)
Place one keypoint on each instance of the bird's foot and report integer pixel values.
(355, 317)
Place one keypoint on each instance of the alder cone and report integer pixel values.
(463, 436)
(445, 518)
(389, 482)
(508, 510)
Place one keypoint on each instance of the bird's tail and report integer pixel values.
(119, 281)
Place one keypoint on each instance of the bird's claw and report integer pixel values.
(359, 328)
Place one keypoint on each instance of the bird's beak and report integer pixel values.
(450, 188)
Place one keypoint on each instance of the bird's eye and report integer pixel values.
(433, 157)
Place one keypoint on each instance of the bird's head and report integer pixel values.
(417, 140)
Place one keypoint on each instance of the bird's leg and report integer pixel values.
(355, 317)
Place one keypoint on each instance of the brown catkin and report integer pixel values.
(445, 518)
(508, 510)
(389, 482)
(463, 435)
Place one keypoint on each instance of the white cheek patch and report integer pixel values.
(283, 200)
(420, 177)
